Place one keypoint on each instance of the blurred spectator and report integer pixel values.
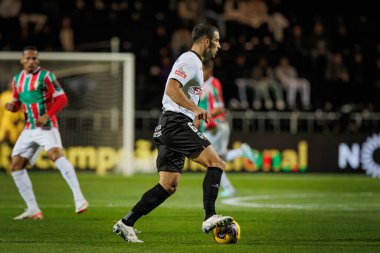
(277, 23)
(187, 12)
(263, 82)
(361, 86)
(243, 80)
(319, 88)
(250, 12)
(66, 35)
(10, 8)
(292, 84)
(181, 41)
(246, 18)
(338, 78)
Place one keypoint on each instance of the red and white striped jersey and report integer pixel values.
(36, 92)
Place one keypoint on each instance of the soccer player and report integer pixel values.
(176, 137)
(217, 131)
(41, 97)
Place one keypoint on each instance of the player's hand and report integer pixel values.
(196, 123)
(10, 107)
(201, 114)
(41, 121)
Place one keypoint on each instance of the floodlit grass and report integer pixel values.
(276, 212)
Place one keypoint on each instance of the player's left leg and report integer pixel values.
(51, 140)
(215, 167)
(68, 173)
(219, 141)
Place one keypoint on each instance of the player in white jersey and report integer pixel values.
(176, 137)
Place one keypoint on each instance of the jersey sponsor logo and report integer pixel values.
(180, 73)
(35, 85)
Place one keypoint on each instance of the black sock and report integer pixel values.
(149, 201)
(211, 184)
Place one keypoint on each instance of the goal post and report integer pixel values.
(104, 122)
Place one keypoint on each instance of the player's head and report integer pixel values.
(208, 66)
(207, 37)
(29, 58)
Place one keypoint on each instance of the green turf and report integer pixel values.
(276, 212)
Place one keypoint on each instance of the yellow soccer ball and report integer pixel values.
(229, 234)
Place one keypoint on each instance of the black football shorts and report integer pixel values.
(176, 138)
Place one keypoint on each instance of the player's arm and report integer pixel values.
(60, 101)
(219, 101)
(174, 91)
(15, 105)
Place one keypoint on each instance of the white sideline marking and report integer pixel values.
(253, 201)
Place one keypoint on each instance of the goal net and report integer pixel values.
(97, 126)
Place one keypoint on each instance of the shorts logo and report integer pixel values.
(157, 132)
(200, 135)
(192, 127)
(180, 73)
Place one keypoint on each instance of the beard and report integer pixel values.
(208, 55)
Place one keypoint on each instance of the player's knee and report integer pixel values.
(18, 163)
(170, 188)
(219, 163)
(54, 154)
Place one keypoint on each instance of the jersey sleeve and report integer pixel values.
(218, 94)
(183, 71)
(15, 95)
(53, 85)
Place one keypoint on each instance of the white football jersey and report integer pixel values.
(188, 71)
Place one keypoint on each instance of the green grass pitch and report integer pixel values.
(276, 212)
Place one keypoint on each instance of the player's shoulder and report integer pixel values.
(189, 57)
(216, 82)
(45, 71)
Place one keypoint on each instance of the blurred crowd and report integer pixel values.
(275, 55)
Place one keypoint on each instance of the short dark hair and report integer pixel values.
(203, 29)
(33, 48)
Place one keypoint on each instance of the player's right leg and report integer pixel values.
(25, 151)
(25, 188)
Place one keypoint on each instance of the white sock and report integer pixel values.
(225, 183)
(68, 173)
(233, 154)
(25, 188)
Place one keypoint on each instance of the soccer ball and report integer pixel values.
(229, 234)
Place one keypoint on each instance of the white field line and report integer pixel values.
(254, 201)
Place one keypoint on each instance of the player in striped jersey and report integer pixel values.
(39, 94)
(217, 131)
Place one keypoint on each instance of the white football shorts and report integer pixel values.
(32, 141)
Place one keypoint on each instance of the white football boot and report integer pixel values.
(248, 152)
(227, 193)
(81, 206)
(30, 214)
(215, 220)
(126, 232)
